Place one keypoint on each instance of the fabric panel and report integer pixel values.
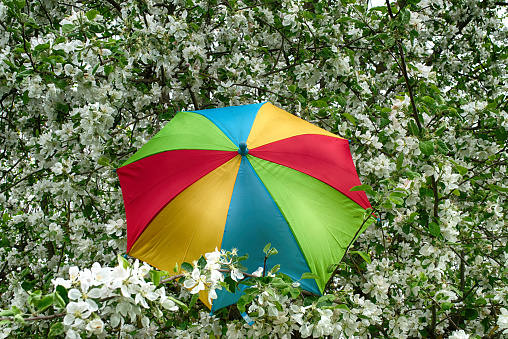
(151, 183)
(192, 224)
(185, 131)
(234, 121)
(254, 220)
(323, 220)
(322, 157)
(273, 124)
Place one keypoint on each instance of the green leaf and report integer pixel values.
(155, 276)
(396, 200)
(480, 302)
(267, 247)
(59, 40)
(428, 100)
(41, 47)
(471, 314)
(498, 188)
(446, 306)
(194, 299)
(108, 69)
(331, 268)
(243, 301)
(292, 88)
(179, 303)
(92, 14)
(441, 129)
(320, 103)
(60, 83)
(187, 267)
(56, 330)
(34, 296)
(406, 228)
(427, 147)
(442, 148)
(360, 188)
(272, 251)
(18, 318)
(230, 284)
(19, 3)
(45, 302)
(67, 28)
(58, 300)
(390, 42)
(341, 100)
(413, 128)
(400, 161)
(15, 310)
(295, 293)
(62, 292)
(461, 169)
(275, 269)
(201, 262)
(10, 64)
(434, 229)
(104, 161)
(365, 188)
(501, 134)
(122, 261)
(350, 118)
(6, 313)
(405, 16)
(309, 275)
(343, 307)
(365, 256)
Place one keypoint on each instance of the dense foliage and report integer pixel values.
(420, 88)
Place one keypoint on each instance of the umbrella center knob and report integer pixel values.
(243, 150)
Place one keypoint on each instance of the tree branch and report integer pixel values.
(115, 4)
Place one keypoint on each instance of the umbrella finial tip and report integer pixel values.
(349, 140)
(243, 150)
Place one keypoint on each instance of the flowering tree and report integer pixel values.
(420, 88)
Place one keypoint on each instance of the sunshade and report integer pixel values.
(241, 177)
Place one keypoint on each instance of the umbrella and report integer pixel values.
(241, 177)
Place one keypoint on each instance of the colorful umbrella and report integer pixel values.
(241, 177)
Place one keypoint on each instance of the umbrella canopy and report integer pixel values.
(241, 177)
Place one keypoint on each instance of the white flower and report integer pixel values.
(212, 295)
(236, 274)
(196, 282)
(57, 168)
(145, 290)
(73, 274)
(60, 281)
(115, 320)
(71, 334)
(258, 272)
(427, 250)
(96, 326)
(95, 293)
(169, 304)
(116, 226)
(459, 335)
(502, 320)
(76, 312)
